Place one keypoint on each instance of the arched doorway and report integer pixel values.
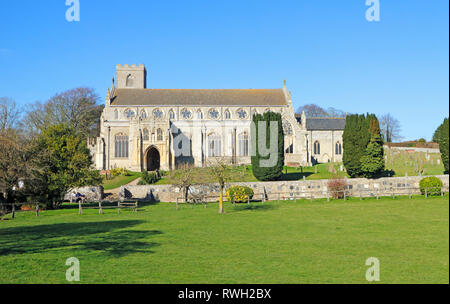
(153, 159)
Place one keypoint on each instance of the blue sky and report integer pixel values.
(326, 50)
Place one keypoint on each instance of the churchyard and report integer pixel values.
(286, 242)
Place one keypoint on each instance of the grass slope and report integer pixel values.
(289, 242)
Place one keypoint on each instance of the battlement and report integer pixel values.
(130, 67)
(131, 76)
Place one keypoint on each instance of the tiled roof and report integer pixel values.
(325, 123)
(221, 97)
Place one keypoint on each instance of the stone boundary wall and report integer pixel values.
(288, 189)
(91, 193)
(425, 150)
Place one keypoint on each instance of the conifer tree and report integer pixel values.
(275, 172)
(443, 143)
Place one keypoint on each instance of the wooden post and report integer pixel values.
(136, 209)
(311, 197)
(328, 196)
(80, 209)
(409, 193)
(263, 198)
(234, 201)
(100, 209)
(426, 192)
(378, 194)
(360, 195)
(177, 202)
(278, 197)
(248, 199)
(345, 195)
(393, 197)
(37, 209)
(118, 207)
(13, 215)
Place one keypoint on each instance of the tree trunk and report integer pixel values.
(221, 200)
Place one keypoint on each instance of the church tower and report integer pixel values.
(131, 77)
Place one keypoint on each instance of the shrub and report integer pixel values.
(119, 172)
(149, 178)
(240, 194)
(337, 187)
(432, 185)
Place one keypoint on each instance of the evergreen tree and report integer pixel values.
(267, 173)
(443, 143)
(372, 163)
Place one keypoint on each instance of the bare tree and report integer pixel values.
(220, 171)
(313, 110)
(390, 128)
(77, 108)
(9, 113)
(184, 177)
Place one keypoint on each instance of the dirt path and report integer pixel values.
(113, 194)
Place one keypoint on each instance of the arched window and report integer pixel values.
(243, 144)
(116, 114)
(159, 135)
(227, 114)
(171, 114)
(146, 134)
(214, 145)
(130, 81)
(144, 114)
(316, 148)
(199, 114)
(121, 146)
(338, 148)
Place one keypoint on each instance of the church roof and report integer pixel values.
(220, 97)
(325, 124)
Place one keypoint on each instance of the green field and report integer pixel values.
(117, 181)
(290, 242)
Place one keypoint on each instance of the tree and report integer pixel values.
(64, 162)
(13, 165)
(390, 128)
(184, 177)
(437, 133)
(356, 137)
(443, 144)
(222, 172)
(9, 114)
(313, 110)
(372, 162)
(77, 108)
(263, 167)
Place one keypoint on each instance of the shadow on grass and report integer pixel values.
(254, 207)
(102, 237)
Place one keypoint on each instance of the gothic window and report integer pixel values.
(116, 114)
(186, 114)
(287, 128)
(338, 148)
(213, 114)
(171, 114)
(130, 81)
(227, 114)
(316, 148)
(214, 145)
(243, 144)
(199, 114)
(159, 135)
(146, 134)
(158, 114)
(143, 115)
(129, 113)
(121, 146)
(242, 114)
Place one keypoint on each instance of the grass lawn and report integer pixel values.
(402, 162)
(302, 242)
(119, 181)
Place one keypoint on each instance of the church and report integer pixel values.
(159, 129)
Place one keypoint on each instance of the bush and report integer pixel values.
(432, 185)
(119, 172)
(337, 187)
(149, 178)
(241, 194)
